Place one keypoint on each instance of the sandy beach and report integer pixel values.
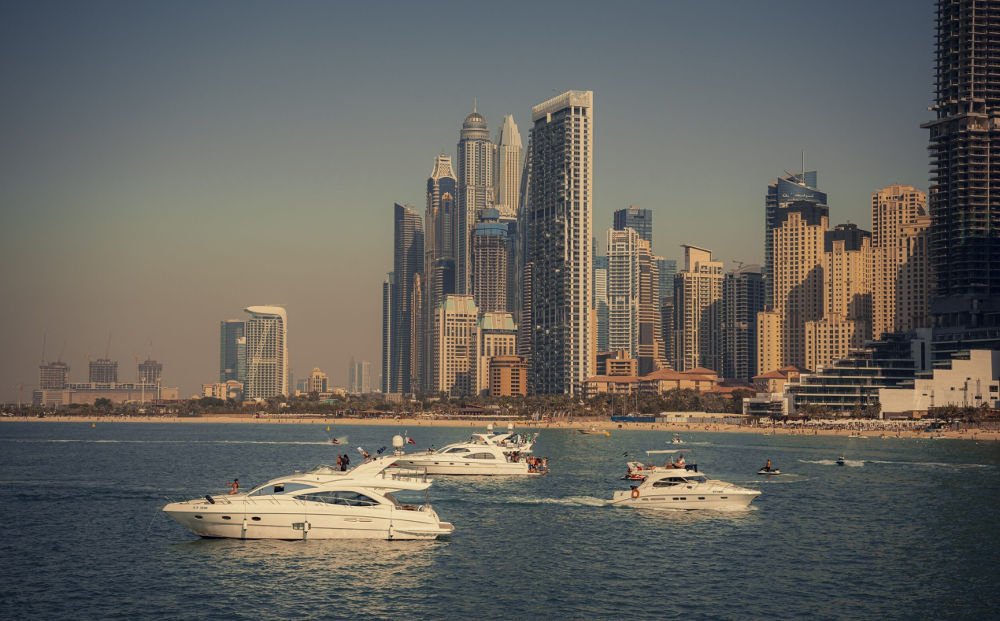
(875, 428)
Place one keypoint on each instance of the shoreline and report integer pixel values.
(888, 430)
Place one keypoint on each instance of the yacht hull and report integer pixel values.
(252, 521)
(445, 466)
(727, 501)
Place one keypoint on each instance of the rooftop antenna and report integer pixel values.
(475, 104)
(803, 165)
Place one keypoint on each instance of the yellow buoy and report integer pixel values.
(92, 425)
(328, 427)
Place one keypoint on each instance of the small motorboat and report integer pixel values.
(675, 440)
(841, 461)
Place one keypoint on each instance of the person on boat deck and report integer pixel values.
(365, 454)
(235, 485)
(767, 466)
(680, 462)
(345, 461)
(340, 463)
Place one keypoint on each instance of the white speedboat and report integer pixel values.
(675, 440)
(680, 488)
(322, 503)
(482, 454)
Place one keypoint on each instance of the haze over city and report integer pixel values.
(166, 165)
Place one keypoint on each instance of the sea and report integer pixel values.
(908, 529)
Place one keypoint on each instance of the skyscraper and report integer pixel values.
(267, 352)
(639, 220)
(633, 298)
(797, 285)
(491, 257)
(509, 154)
(742, 299)
(782, 192)
(698, 311)
(475, 189)
(895, 209)
(441, 231)
(559, 222)
(230, 331)
(600, 303)
(965, 161)
(408, 259)
(847, 297)
(387, 340)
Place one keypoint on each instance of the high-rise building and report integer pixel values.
(698, 311)
(965, 162)
(365, 377)
(103, 371)
(742, 299)
(559, 222)
(267, 352)
(797, 285)
(491, 258)
(895, 256)
(352, 376)
(408, 259)
(230, 331)
(475, 189)
(496, 336)
(510, 155)
(666, 268)
(633, 294)
(52, 375)
(317, 381)
(387, 340)
(441, 231)
(600, 304)
(639, 220)
(782, 192)
(150, 372)
(847, 297)
(454, 351)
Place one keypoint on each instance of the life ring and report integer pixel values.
(635, 492)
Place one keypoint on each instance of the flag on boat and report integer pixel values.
(411, 441)
(361, 450)
(379, 452)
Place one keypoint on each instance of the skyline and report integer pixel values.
(154, 189)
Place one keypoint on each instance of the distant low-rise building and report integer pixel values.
(970, 379)
(230, 389)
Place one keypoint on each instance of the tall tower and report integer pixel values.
(408, 259)
(559, 223)
(441, 231)
(895, 208)
(782, 192)
(509, 156)
(475, 189)
(633, 299)
(797, 283)
(600, 303)
(387, 318)
(698, 311)
(491, 252)
(965, 162)
(267, 352)
(847, 297)
(742, 299)
(230, 331)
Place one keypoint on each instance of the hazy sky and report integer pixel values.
(163, 165)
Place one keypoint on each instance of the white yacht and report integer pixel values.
(483, 454)
(322, 503)
(683, 488)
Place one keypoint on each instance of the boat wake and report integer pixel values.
(929, 464)
(853, 463)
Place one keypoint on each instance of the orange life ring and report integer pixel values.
(635, 492)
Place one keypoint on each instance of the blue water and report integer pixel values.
(909, 529)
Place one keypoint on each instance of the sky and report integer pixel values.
(163, 165)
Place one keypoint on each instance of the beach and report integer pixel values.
(864, 427)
